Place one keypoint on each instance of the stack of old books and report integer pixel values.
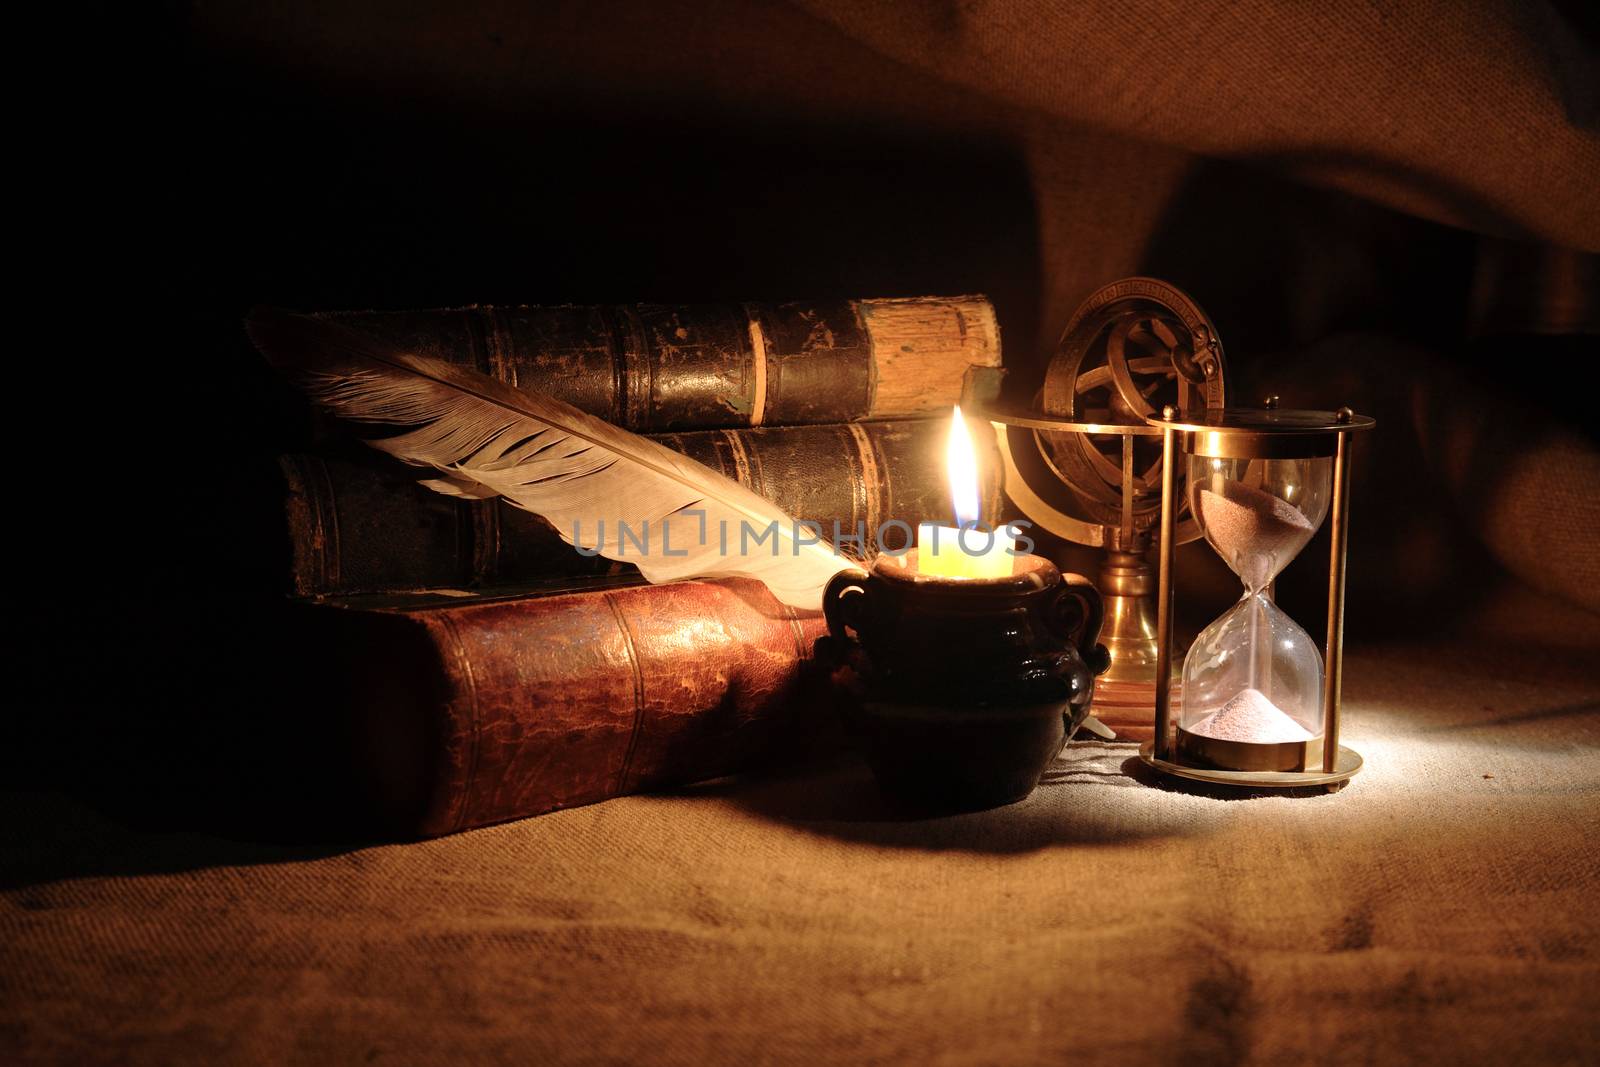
(498, 673)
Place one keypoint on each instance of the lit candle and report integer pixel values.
(963, 550)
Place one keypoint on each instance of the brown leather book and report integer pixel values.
(358, 522)
(653, 367)
(465, 713)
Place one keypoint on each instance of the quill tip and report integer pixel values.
(297, 343)
(275, 333)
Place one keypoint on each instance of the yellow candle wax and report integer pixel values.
(951, 552)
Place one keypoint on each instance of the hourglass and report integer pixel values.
(1260, 701)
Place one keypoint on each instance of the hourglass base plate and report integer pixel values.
(1349, 763)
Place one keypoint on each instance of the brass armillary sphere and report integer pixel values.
(1084, 462)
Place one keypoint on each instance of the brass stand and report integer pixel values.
(1349, 762)
(1079, 462)
(1125, 694)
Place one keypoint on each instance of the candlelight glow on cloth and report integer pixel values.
(965, 550)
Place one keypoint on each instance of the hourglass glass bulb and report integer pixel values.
(1252, 681)
(1252, 678)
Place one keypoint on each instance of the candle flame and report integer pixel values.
(961, 463)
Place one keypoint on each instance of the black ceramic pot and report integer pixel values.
(969, 687)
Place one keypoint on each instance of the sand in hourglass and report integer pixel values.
(1250, 716)
(1255, 532)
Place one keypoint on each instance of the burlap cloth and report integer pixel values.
(1442, 908)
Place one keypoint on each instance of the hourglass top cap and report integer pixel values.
(1262, 433)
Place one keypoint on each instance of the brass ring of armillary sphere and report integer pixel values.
(1132, 347)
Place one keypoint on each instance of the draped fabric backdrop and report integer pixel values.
(1317, 176)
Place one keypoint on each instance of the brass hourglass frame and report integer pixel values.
(1256, 434)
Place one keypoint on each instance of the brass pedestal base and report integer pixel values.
(1125, 696)
(1349, 763)
(1129, 708)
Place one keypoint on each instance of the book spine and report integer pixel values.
(476, 713)
(360, 525)
(652, 367)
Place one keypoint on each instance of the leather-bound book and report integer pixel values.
(656, 368)
(358, 522)
(464, 713)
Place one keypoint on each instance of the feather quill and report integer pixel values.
(588, 478)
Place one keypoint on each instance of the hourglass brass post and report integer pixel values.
(1333, 657)
(1169, 479)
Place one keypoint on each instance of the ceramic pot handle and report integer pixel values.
(843, 601)
(1079, 611)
